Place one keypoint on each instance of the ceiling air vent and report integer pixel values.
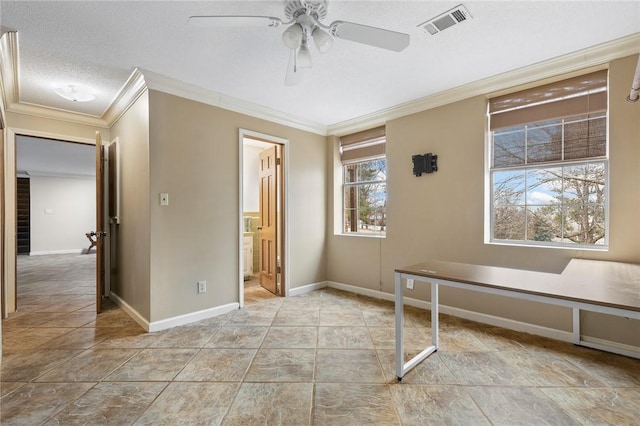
(448, 19)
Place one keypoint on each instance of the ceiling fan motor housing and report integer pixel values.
(315, 8)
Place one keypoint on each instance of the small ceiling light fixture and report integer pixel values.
(304, 55)
(75, 93)
(322, 40)
(292, 37)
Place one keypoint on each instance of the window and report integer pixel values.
(549, 164)
(364, 175)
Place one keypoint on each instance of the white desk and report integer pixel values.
(606, 287)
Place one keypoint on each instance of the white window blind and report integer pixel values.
(363, 145)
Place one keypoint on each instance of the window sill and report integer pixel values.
(360, 235)
(548, 246)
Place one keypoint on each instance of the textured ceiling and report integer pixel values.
(100, 44)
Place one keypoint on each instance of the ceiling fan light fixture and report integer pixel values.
(75, 93)
(292, 37)
(322, 40)
(304, 56)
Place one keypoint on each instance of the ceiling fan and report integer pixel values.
(304, 18)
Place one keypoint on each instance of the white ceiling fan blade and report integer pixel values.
(373, 36)
(293, 76)
(235, 21)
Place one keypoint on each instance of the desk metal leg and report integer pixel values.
(401, 367)
(434, 315)
(399, 326)
(576, 326)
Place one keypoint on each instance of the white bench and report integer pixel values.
(606, 287)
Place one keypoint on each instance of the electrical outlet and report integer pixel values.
(202, 287)
(410, 283)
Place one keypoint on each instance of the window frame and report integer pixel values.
(526, 167)
(343, 187)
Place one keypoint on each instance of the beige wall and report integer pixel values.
(441, 215)
(63, 209)
(130, 274)
(194, 152)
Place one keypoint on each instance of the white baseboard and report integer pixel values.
(45, 252)
(173, 321)
(192, 317)
(307, 288)
(135, 315)
(461, 313)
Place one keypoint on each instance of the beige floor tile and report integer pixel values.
(298, 303)
(184, 337)
(341, 318)
(282, 365)
(237, 337)
(7, 387)
(114, 318)
(431, 371)
(247, 317)
(217, 365)
(81, 338)
(385, 338)
(190, 404)
(546, 369)
(34, 403)
(606, 406)
(348, 366)
(377, 318)
(109, 404)
(614, 370)
(344, 338)
(31, 319)
(482, 368)
(129, 337)
(89, 366)
(28, 365)
(518, 405)
(291, 337)
(436, 405)
(271, 404)
(73, 319)
(353, 404)
(297, 318)
(153, 365)
(30, 338)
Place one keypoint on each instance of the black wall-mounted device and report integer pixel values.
(427, 163)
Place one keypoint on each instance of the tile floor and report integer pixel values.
(324, 358)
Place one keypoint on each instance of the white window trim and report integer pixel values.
(342, 205)
(488, 198)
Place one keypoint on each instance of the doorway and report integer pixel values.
(263, 271)
(51, 177)
(55, 208)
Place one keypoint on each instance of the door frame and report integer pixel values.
(10, 258)
(284, 143)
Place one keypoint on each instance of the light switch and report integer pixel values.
(48, 211)
(164, 199)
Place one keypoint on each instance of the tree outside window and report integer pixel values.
(365, 197)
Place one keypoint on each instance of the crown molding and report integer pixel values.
(598, 55)
(173, 87)
(9, 67)
(57, 114)
(128, 94)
